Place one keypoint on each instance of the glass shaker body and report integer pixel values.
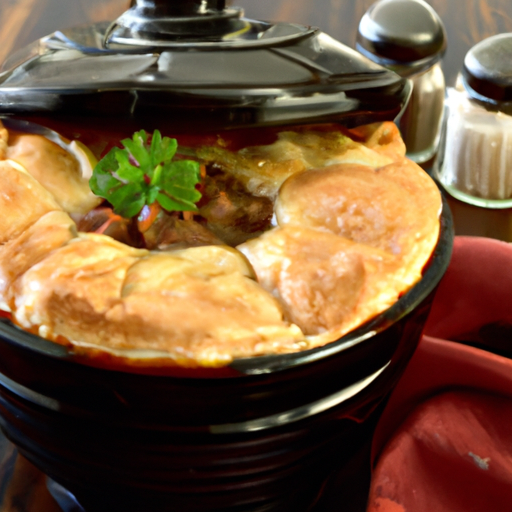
(474, 164)
(420, 124)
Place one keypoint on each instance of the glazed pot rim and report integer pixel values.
(266, 364)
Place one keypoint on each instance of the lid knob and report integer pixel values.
(487, 71)
(158, 22)
(179, 7)
(406, 33)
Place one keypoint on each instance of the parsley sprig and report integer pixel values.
(143, 173)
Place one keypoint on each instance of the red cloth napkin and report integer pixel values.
(444, 442)
(474, 299)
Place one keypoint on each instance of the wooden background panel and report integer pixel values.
(466, 21)
(24, 21)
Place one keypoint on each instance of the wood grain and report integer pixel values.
(24, 21)
(467, 21)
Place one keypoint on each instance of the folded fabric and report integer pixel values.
(453, 454)
(473, 301)
(444, 442)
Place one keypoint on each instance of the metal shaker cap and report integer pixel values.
(407, 35)
(487, 72)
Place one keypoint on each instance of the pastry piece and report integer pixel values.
(204, 262)
(326, 283)
(222, 259)
(198, 313)
(69, 292)
(64, 174)
(51, 231)
(195, 306)
(23, 200)
(423, 226)
(263, 169)
(383, 138)
(394, 208)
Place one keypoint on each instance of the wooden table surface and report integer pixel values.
(467, 21)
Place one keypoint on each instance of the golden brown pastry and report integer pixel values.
(58, 170)
(357, 222)
(393, 208)
(383, 138)
(99, 293)
(73, 287)
(352, 239)
(51, 231)
(23, 200)
(207, 260)
(199, 312)
(424, 226)
(326, 283)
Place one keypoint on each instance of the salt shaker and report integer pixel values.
(474, 164)
(409, 37)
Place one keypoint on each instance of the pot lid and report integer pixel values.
(197, 62)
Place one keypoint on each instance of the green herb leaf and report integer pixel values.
(178, 184)
(126, 171)
(137, 147)
(143, 173)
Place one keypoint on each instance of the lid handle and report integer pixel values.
(161, 22)
(162, 8)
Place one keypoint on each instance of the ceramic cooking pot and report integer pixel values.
(261, 434)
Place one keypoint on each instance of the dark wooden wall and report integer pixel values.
(466, 21)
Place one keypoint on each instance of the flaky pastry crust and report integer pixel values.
(355, 224)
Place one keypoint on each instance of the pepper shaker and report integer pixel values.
(408, 37)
